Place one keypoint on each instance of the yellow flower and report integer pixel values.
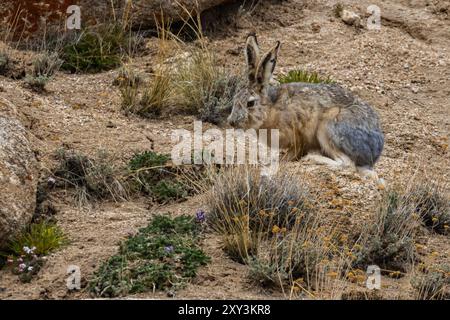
(434, 219)
(242, 203)
(283, 230)
(275, 229)
(306, 244)
(332, 274)
(360, 278)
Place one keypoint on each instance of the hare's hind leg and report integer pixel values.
(338, 162)
(328, 149)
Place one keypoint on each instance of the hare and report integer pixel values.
(324, 122)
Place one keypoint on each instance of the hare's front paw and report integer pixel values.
(367, 173)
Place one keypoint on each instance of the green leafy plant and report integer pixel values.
(97, 49)
(25, 253)
(153, 175)
(45, 237)
(148, 159)
(303, 76)
(165, 255)
(166, 190)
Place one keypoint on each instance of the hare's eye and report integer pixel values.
(250, 104)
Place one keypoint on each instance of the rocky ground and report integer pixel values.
(403, 70)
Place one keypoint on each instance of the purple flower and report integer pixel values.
(200, 216)
(168, 249)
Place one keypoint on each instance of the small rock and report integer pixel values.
(171, 294)
(315, 27)
(351, 18)
(414, 89)
(110, 124)
(234, 51)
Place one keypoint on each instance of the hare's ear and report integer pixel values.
(251, 56)
(266, 67)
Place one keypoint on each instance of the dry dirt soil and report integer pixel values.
(403, 70)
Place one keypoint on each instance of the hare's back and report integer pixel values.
(327, 95)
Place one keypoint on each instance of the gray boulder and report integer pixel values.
(18, 174)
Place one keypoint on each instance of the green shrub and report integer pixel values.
(153, 175)
(25, 253)
(97, 49)
(45, 237)
(148, 159)
(164, 255)
(303, 76)
(166, 190)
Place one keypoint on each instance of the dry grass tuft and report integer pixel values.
(93, 179)
(388, 240)
(433, 284)
(273, 225)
